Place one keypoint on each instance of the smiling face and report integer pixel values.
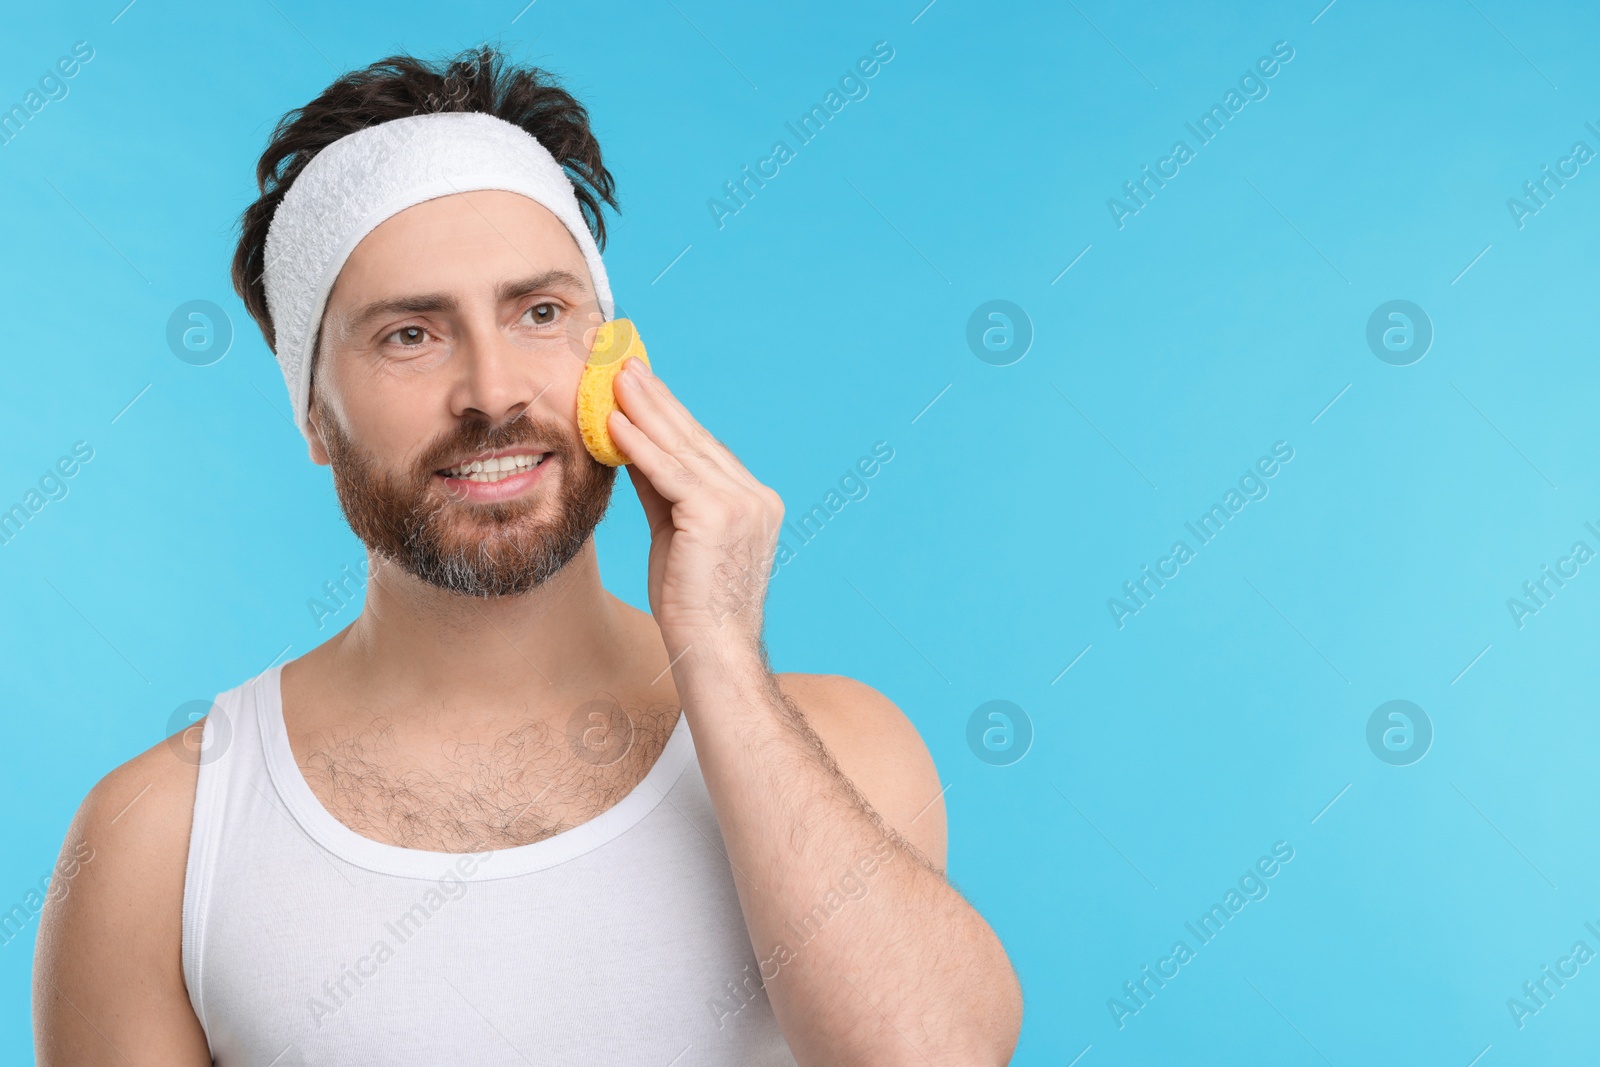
(444, 393)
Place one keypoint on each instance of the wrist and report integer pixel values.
(711, 659)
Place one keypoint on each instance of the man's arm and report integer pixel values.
(868, 954)
(874, 745)
(832, 813)
(108, 982)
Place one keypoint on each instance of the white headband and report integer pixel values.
(368, 176)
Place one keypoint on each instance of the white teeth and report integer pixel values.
(496, 468)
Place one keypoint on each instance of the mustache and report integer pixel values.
(480, 435)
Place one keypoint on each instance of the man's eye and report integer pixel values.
(409, 336)
(543, 313)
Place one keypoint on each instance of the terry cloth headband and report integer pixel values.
(368, 176)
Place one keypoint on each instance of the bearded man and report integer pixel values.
(503, 817)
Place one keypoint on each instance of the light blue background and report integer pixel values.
(826, 316)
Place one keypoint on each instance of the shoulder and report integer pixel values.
(141, 811)
(109, 965)
(132, 834)
(879, 750)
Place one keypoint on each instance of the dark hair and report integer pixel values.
(393, 88)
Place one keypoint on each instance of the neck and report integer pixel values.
(423, 646)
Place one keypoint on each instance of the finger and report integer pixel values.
(722, 452)
(671, 479)
(719, 454)
(657, 508)
(676, 410)
(654, 411)
(669, 425)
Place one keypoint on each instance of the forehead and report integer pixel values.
(458, 242)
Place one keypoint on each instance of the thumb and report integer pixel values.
(657, 508)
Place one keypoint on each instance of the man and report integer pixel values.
(503, 817)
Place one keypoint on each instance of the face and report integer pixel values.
(444, 393)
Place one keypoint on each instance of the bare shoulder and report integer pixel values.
(876, 747)
(108, 975)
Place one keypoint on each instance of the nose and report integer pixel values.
(498, 379)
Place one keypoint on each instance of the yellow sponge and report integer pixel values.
(614, 342)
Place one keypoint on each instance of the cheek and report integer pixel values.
(387, 418)
(561, 400)
(582, 325)
(390, 412)
(553, 376)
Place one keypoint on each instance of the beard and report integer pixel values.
(478, 550)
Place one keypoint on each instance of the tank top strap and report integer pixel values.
(230, 757)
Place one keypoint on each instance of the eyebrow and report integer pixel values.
(504, 293)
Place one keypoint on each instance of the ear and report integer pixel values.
(314, 446)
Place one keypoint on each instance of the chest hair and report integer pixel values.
(524, 785)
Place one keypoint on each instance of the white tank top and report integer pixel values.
(619, 941)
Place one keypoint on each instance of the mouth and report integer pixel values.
(495, 477)
(492, 467)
